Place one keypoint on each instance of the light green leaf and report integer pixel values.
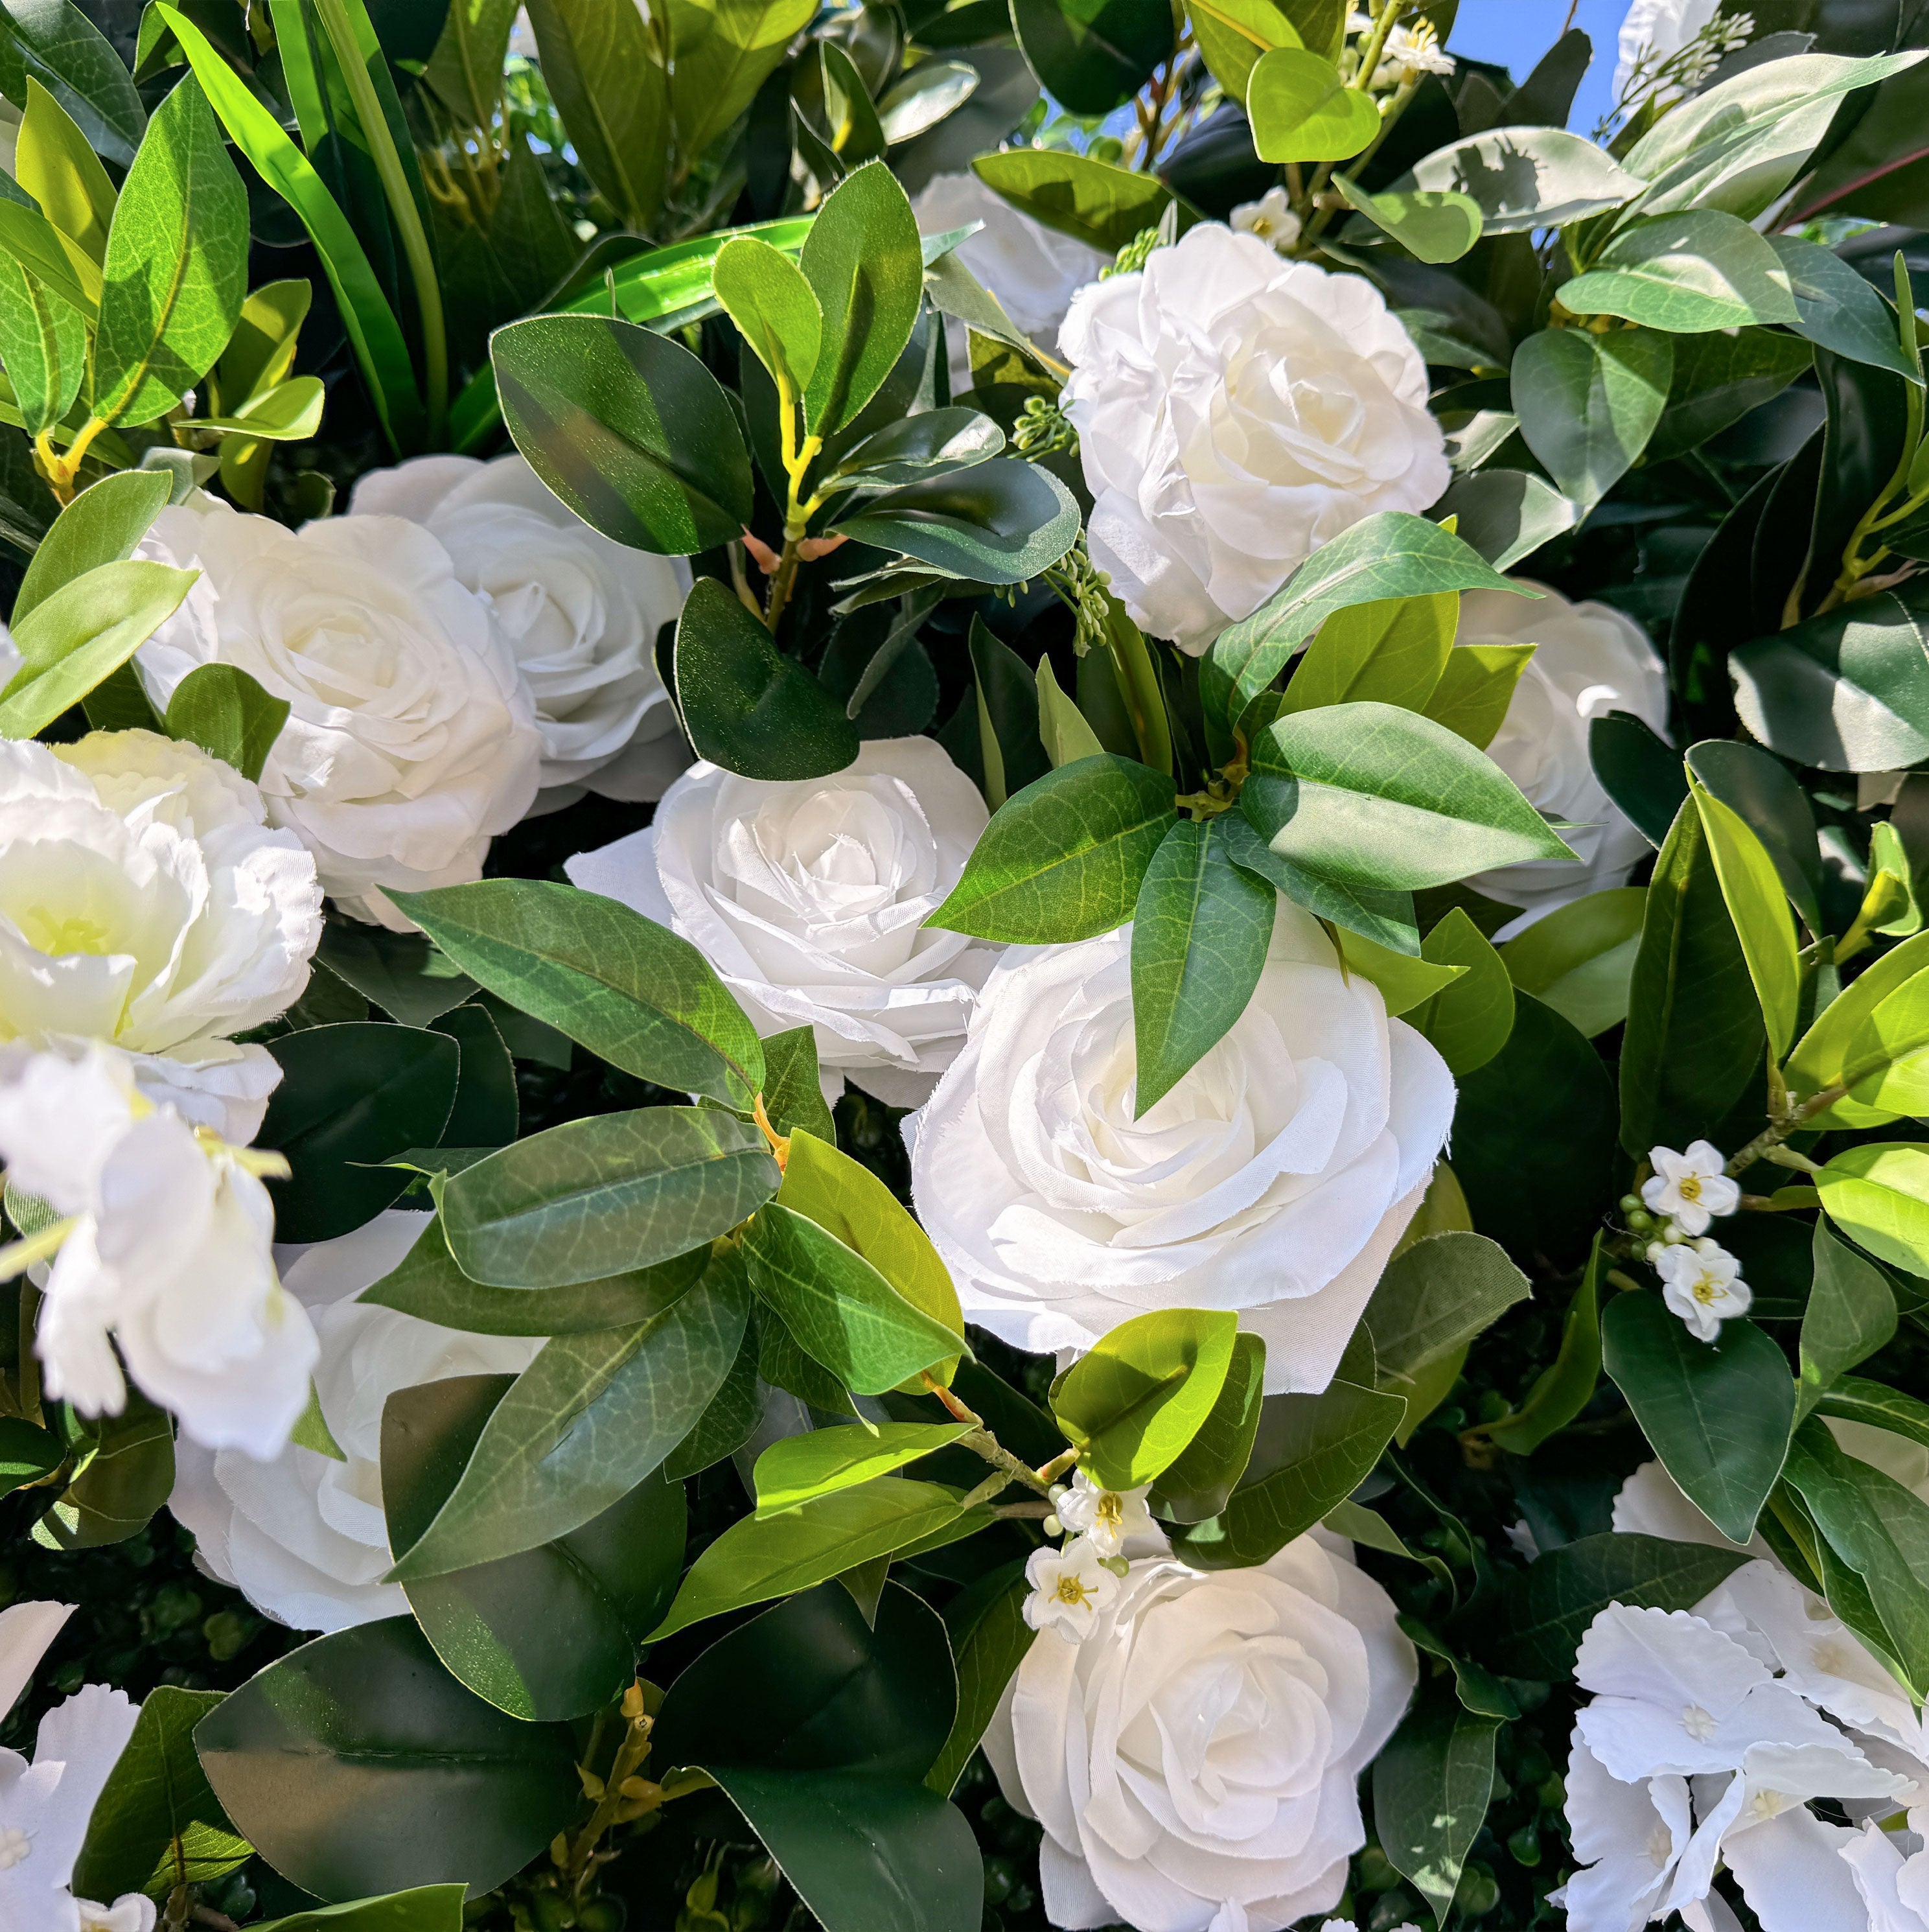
(1432, 224)
(62, 266)
(1301, 110)
(1580, 958)
(1134, 1400)
(862, 262)
(604, 71)
(1062, 729)
(104, 524)
(289, 412)
(428, 1908)
(1588, 403)
(796, 1468)
(1523, 178)
(1752, 889)
(1404, 982)
(56, 164)
(605, 1195)
(1469, 1020)
(721, 50)
(1394, 652)
(1197, 1486)
(1092, 201)
(1878, 1195)
(43, 346)
(764, 293)
(1687, 273)
(176, 267)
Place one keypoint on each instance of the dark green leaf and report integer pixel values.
(863, 262)
(351, 1097)
(1506, 515)
(486, 1113)
(1196, 1485)
(1103, 206)
(609, 84)
(404, 973)
(1640, 771)
(550, 1632)
(221, 708)
(1431, 1786)
(1469, 1021)
(357, 1764)
(57, 45)
(1566, 1386)
(989, 1638)
(1003, 521)
(124, 1472)
(722, 51)
(1009, 721)
(1720, 377)
(1836, 309)
(1879, 1406)
(1851, 1313)
(1387, 919)
(44, 342)
(732, 1418)
(1588, 403)
(1436, 1296)
(793, 1095)
(1093, 55)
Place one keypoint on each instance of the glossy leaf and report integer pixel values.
(603, 71)
(1431, 1786)
(1640, 771)
(1103, 206)
(1523, 178)
(1404, 982)
(764, 292)
(1197, 1484)
(1386, 918)
(1093, 55)
(1764, 792)
(357, 1765)
(1588, 403)
(1432, 225)
(1134, 1400)
(586, 1422)
(722, 50)
(1301, 110)
(1686, 273)
(1758, 907)
(221, 708)
(1393, 651)
(1505, 514)
(1851, 1313)
(1717, 1413)
(630, 990)
(1436, 1296)
(56, 45)
(989, 1638)
(1836, 309)
(1579, 959)
(862, 262)
(1468, 1020)
(1002, 521)
(796, 1469)
(43, 344)
(1878, 1195)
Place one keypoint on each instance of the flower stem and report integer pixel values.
(1773, 1134)
(980, 1441)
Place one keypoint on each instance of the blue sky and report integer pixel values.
(1518, 32)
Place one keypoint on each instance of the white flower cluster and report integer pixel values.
(1702, 1281)
(46, 1805)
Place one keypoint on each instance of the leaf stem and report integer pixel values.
(407, 218)
(980, 1441)
(1776, 1132)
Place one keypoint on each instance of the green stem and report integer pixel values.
(408, 218)
(1778, 1131)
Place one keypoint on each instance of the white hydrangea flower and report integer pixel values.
(1070, 1586)
(1270, 218)
(164, 1248)
(1107, 1518)
(1691, 1188)
(1703, 1285)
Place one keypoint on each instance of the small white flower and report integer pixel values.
(165, 1249)
(1270, 218)
(1410, 52)
(1106, 1517)
(1069, 1587)
(1690, 1188)
(1704, 1286)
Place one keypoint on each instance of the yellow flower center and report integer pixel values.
(1689, 1187)
(1111, 1507)
(59, 938)
(1706, 1290)
(1071, 1590)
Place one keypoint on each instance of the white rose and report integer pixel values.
(809, 898)
(580, 612)
(1274, 1178)
(411, 741)
(1033, 270)
(1194, 1760)
(1589, 659)
(165, 1250)
(145, 900)
(1235, 411)
(302, 1536)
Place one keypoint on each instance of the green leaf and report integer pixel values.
(1719, 378)
(429, 1908)
(1566, 1386)
(1523, 178)
(1505, 514)
(351, 1097)
(221, 708)
(989, 1638)
(176, 266)
(586, 1421)
(1718, 1413)
(601, 1196)
(1579, 958)
(1468, 1020)
(81, 634)
(1002, 521)
(844, 1197)
(1641, 772)
(1140, 1394)
(1871, 1031)
(1848, 690)
(1103, 206)
(1200, 929)
(1312, 1452)
(157, 1824)
(102, 525)
(631, 991)
(1386, 918)
(764, 293)
(43, 344)
(1878, 1195)
(356, 1765)
(1093, 55)
(1588, 403)
(602, 70)
(381, 351)
(1394, 652)
(1878, 1406)
(1301, 110)
(1062, 728)
(1694, 1027)
(1404, 982)
(796, 1468)
(289, 412)
(748, 707)
(840, 1310)
(1851, 1313)
(864, 263)
(1836, 309)
(1752, 889)
(549, 1633)
(1387, 555)
(755, 1559)
(628, 427)
(721, 51)
(1534, 1623)
(1379, 797)
(1065, 859)
(1687, 273)
(59, 47)
(1431, 1786)
(27, 1452)
(1196, 1485)
(731, 1419)
(1436, 1296)
(793, 1095)
(124, 1472)
(1763, 789)
(404, 973)
(40, 248)
(1432, 224)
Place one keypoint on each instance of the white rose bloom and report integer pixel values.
(1274, 1178)
(1590, 659)
(1033, 270)
(1283, 1682)
(1235, 411)
(145, 900)
(411, 741)
(167, 1252)
(304, 1537)
(45, 1806)
(580, 612)
(810, 896)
